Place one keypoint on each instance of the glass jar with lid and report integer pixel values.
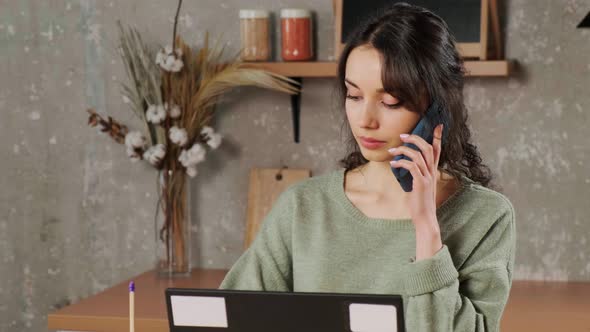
(296, 34)
(255, 35)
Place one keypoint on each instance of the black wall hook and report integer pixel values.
(296, 109)
(585, 22)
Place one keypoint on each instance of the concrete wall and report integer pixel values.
(76, 215)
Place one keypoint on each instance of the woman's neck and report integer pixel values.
(377, 178)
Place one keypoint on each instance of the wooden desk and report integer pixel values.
(108, 311)
(533, 306)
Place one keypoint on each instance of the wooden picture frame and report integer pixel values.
(474, 50)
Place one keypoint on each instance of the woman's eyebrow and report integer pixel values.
(380, 90)
(350, 82)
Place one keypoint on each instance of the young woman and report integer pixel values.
(448, 245)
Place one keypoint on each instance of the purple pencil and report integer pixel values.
(132, 306)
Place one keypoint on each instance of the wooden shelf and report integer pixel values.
(489, 68)
(498, 68)
(298, 69)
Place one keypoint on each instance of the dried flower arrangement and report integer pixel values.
(174, 92)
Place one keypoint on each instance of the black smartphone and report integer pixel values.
(433, 116)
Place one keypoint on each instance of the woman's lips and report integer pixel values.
(371, 143)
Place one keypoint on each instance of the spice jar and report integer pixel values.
(255, 36)
(296, 35)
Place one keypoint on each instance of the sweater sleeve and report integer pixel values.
(266, 264)
(442, 298)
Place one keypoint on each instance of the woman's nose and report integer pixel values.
(368, 116)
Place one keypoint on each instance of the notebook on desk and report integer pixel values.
(207, 310)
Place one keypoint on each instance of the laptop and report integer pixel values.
(215, 310)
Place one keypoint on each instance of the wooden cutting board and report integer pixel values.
(266, 184)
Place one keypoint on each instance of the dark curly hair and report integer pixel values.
(419, 57)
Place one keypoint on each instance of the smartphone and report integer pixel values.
(433, 116)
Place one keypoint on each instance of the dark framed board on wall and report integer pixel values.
(468, 21)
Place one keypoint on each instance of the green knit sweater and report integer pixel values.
(315, 240)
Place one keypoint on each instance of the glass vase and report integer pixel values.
(173, 221)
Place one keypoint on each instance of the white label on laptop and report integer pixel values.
(372, 317)
(198, 311)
